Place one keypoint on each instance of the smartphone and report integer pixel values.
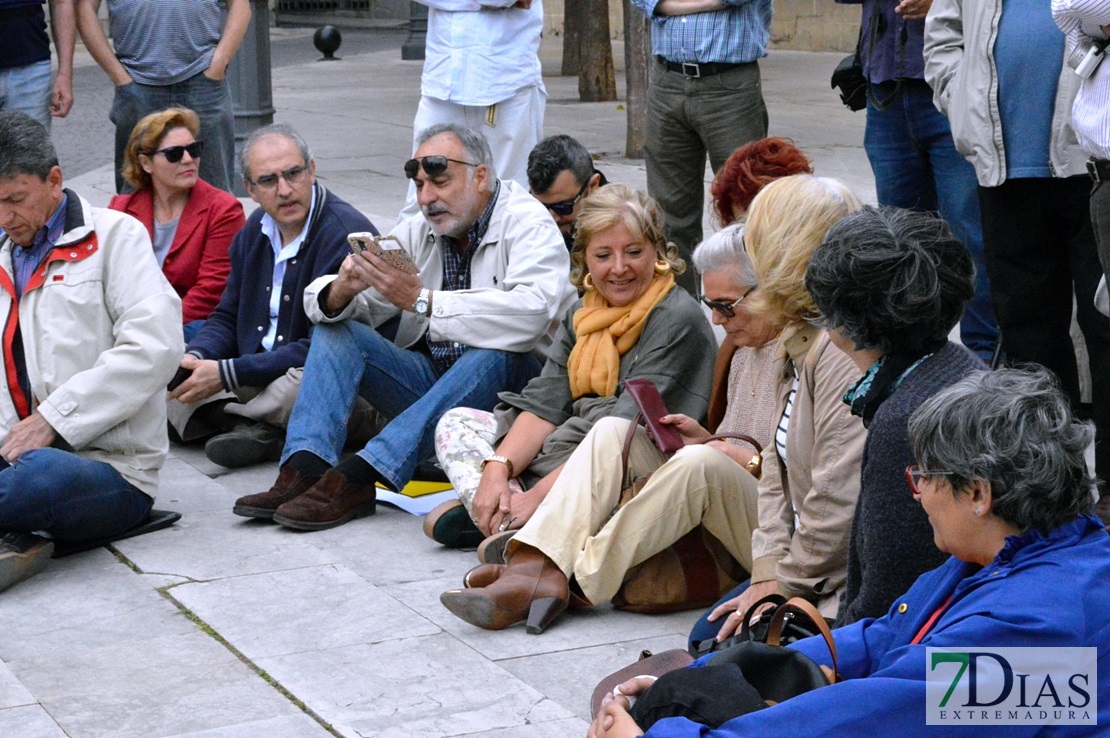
(387, 248)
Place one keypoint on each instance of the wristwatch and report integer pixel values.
(423, 304)
(501, 460)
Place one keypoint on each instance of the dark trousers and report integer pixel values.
(1040, 247)
(1100, 219)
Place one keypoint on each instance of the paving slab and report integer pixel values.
(29, 722)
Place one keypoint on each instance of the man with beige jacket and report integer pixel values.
(92, 335)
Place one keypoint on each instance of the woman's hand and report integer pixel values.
(491, 503)
(687, 427)
(740, 454)
(737, 606)
(613, 720)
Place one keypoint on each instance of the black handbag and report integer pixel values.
(744, 678)
(795, 626)
(848, 77)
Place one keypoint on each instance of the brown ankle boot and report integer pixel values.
(483, 575)
(530, 588)
(289, 485)
(330, 503)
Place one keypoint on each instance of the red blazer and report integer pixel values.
(197, 264)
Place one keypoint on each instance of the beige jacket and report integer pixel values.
(519, 283)
(806, 506)
(959, 66)
(101, 331)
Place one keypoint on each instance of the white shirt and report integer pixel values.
(479, 56)
(282, 254)
(1082, 19)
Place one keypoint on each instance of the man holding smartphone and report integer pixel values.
(475, 321)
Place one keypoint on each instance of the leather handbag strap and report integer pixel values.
(626, 450)
(799, 605)
(745, 623)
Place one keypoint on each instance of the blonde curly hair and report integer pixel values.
(619, 204)
(787, 222)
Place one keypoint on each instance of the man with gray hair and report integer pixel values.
(241, 373)
(560, 174)
(477, 308)
(93, 334)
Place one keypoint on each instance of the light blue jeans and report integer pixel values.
(69, 497)
(28, 90)
(349, 359)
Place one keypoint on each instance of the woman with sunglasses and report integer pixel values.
(191, 223)
(631, 323)
(1002, 479)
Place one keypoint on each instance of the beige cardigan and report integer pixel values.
(818, 492)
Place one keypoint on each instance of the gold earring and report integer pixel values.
(588, 282)
(662, 267)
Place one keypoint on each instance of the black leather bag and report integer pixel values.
(849, 79)
(795, 626)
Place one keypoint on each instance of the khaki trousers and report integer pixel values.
(577, 528)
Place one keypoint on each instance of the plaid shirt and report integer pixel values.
(456, 276)
(736, 35)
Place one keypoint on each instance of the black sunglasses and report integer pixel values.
(566, 207)
(727, 309)
(175, 154)
(433, 165)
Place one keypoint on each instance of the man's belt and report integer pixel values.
(1099, 169)
(697, 69)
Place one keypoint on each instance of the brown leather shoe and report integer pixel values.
(289, 485)
(483, 575)
(330, 503)
(530, 588)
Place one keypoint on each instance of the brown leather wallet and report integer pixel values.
(643, 392)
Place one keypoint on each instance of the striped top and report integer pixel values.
(163, 42)
(736, 35)
(1082, 20)
(784, 421)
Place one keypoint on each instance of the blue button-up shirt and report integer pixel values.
(734, 36)
(26, 260)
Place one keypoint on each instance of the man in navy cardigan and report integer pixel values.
(242, 371)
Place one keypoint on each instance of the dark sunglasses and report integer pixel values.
(914, 475)
(566, 207)
(727, 309)
(175, 154)
(433, 165)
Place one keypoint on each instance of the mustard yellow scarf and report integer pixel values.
(605, 334)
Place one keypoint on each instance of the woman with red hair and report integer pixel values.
(749, 169)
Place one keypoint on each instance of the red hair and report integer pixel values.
(749, 169)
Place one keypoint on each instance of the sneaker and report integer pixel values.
(22, 555)
(248, 443)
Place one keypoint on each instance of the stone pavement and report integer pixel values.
(222, 626)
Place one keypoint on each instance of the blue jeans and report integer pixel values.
(28, 90)
(209, 99)
(69, 497)
(916, 165)
(349, 359)
(703, 630)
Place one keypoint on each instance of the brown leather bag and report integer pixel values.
(693, 572)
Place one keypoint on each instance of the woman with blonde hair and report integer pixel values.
(191, 223)
(811, 472)
(630, 323)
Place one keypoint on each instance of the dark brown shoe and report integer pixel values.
(530, 588)
(331, 502)
(289, 485)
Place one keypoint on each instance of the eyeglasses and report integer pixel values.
(175, 154)
(292, 175)
(566, 207)
(914, 475)
(727, 309)
(433, 165)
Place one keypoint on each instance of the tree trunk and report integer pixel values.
(637, 58)
(596, 79)
(573, 10)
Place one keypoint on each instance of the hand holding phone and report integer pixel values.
(386, 248)
(643, 391)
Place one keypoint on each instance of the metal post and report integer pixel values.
(413, 48)
(251, 89)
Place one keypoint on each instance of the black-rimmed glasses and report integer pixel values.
(175, 154)
(292, 175)
(433, 165)
(727, 309)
